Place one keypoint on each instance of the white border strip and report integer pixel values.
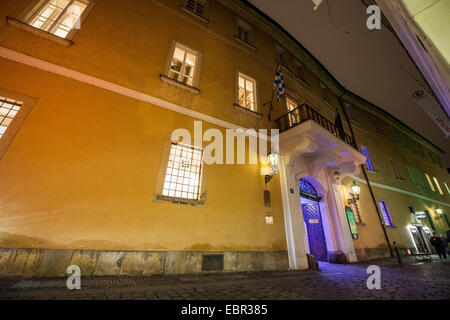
(383, 186)
(75, 75)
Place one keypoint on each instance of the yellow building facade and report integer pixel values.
(91, 94)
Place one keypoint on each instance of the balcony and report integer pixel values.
(304, 113)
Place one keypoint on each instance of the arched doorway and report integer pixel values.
(313, 220)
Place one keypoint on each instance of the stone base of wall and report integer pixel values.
(54, 263)
(372, 253)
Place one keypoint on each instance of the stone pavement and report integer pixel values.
(411, 280)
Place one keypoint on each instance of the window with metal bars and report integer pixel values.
(197, 7)
(183, 172)
(8, 110)
(58, 17)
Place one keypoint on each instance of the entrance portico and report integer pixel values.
(309, 151)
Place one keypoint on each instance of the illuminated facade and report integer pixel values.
(91, 93)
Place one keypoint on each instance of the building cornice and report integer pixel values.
(263, 22)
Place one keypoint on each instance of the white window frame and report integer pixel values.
(33, 8)
(255, 97)
(158, 195)
(196, 76)
(430, 183)
(438, 186)
(17, 122)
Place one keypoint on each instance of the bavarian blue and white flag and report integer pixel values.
(278, 84)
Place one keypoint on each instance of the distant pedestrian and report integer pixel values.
(438, 245)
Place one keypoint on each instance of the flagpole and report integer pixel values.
(273, 90)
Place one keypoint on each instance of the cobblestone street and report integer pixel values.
(412, 280)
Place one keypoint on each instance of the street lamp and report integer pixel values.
(273, 161)
(355, 192)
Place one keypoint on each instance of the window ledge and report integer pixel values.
(193, 14)
(248, 111)
(248, 45)
(179, 84)
(41, 33)
(174, 200)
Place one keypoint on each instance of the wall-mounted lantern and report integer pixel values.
(355, 192)
(273, 161)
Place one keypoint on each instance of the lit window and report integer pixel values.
(291, 106)
(244, 32)
(430, 183)
(197, 7)
(8, 110)
(183, 65)
(247, 92)
(369, 162)
(446, 187)
(386, 213)
(394, 165)
(183, 173)
(58, 17)
(324, 90)
(437, 185)
(411, 174)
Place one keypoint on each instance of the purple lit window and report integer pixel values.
(386, 213)
(366, 153)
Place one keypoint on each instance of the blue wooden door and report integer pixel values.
(316, 236)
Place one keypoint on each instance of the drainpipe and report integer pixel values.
(366, 177)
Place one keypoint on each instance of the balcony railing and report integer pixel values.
(303, 113)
